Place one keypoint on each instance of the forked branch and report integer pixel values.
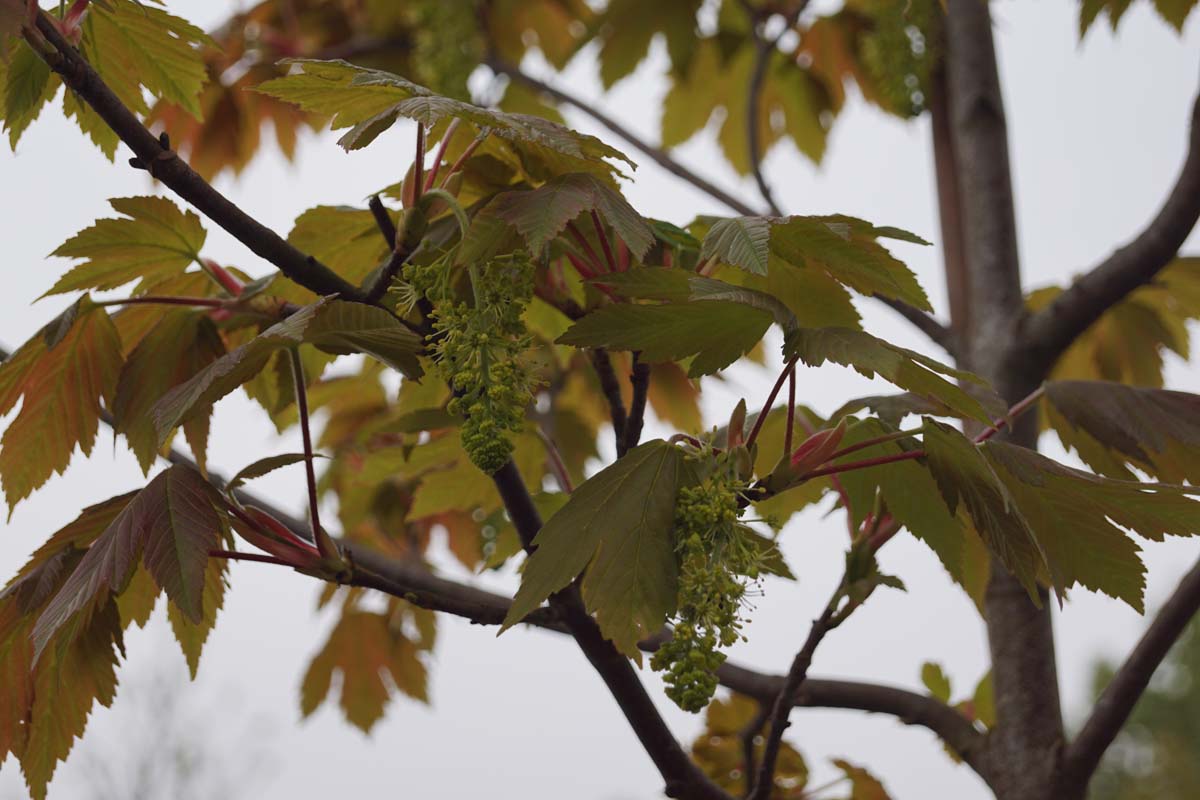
(1050, 331)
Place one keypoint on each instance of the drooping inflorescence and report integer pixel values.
(717, 563)
(478, 349)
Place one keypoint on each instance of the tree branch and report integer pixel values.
(639, 378)
(1117, 701)
(683, 778)
(938, 333)
(383, 220)
(419, 586)
(611, 388)
(166, 165)
(764, 49)
(1049, 332)
(1025, 743)
(656, 154)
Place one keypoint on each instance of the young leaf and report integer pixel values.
(716, 333)
(870, 356)
(542, 214)
(345, 239)
(153, 240)
(136, 46)
(363, 647)
(171, 525)
(618, 525)
(70, 677)
(846, 249)
(678, 285)
(28, 86)
(369, 101)
(262, 467)
(863, 785)
(936, 681)
(720, 751)
(176, 349)
(743, 242)
(62, 384)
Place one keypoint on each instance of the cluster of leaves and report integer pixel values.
(560, 269)
(883, 49)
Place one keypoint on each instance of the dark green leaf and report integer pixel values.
(716, 333)
(870, 356)
(619, 522)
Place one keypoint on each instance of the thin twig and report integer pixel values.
(749, 733)
(791, 412)
(156, 300)
(1015, 411)
(938, 333)
(766, 407)
(418, 180)
(764, 49)
(451, 129)
(603, 237)
(656, 154)
(557, 465)
(784, 702)
(233, 555)
(467, 152)
(325, 545)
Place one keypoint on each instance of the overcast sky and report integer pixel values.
(1097, 133)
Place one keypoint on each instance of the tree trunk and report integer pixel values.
(1026, 743)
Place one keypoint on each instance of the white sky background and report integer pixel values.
(1097, 132)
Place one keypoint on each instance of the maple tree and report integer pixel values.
(531, 310)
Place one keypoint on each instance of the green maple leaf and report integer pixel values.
(871, 356)
(345, 239)
(617, 525)
(743, 242)
(967, 479)
(28, 86)
(716, 333)
(936, 681)
(370, 101)
(152, 242)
